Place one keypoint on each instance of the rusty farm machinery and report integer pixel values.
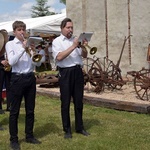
(102, 72)
(141, 80)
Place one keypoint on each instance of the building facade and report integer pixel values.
(111, 21)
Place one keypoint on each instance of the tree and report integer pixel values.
(41, 9)
(63, 1)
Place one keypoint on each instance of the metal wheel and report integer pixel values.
(142, 84)
(93, 68)
(115, 80)
(96, 79)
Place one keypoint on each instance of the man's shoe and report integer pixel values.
(2, 111)
(33, 141)
(67, 135)
(83, 132)
(14, 146)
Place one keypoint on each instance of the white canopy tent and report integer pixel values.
(35, 26)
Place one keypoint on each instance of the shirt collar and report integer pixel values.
(17, 40)
(65, 38)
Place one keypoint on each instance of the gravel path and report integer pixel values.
(127, 93)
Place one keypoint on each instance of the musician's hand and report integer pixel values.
(32, 46)
(84, 42)
(4, 62)
(24, 43)
(75, 42)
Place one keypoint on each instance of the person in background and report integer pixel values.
(4, 73)
(4, 82)
(41, 51)
(51, 59)
(68, 57)
(22, 85)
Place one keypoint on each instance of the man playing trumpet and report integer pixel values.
(22, 85)
(68, 56)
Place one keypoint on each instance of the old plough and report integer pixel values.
(102, 72)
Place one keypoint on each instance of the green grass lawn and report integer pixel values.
(110, 129)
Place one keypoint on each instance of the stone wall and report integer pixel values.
(112, 21)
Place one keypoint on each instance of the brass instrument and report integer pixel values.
(3, 40)
(93, 50)
(7, 68)
(35, 57)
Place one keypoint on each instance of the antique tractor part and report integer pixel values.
(103, 73)
(141, 83)
(47, 80)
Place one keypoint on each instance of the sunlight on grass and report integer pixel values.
(110, 129)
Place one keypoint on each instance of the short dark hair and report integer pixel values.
(18, 24)
(64, 22)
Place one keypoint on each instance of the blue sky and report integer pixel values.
(20, 9)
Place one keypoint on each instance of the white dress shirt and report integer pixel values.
(19, 60)
(42, 52)
(62, 43)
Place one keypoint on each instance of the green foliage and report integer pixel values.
(63, 1)
(41, 9)
(110, 129)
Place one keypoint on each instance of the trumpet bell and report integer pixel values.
(36, 57)
(93, 50)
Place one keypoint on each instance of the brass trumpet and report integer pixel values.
(93, 50)
(35, 57)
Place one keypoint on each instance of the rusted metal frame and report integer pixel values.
(118, 62)
(106, 28)
(129, 31)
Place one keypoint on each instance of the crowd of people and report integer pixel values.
(20, 81)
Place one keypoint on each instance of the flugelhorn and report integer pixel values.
(35, 57)
(93, 50)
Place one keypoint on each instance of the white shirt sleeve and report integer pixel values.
(11, 55)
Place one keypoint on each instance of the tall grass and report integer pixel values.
(110, 129)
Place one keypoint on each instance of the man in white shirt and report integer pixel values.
(68, 57)
(41, 51)
(51, 59)
(22, 84)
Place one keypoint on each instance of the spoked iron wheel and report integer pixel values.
(96, 79)
(93, 68)
(115, 80)
(142, 84)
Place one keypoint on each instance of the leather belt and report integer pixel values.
(22, 74)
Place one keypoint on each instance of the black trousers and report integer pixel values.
(4, 79)
(71, 86)
(22, 86)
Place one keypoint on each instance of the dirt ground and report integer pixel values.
(126, 93)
